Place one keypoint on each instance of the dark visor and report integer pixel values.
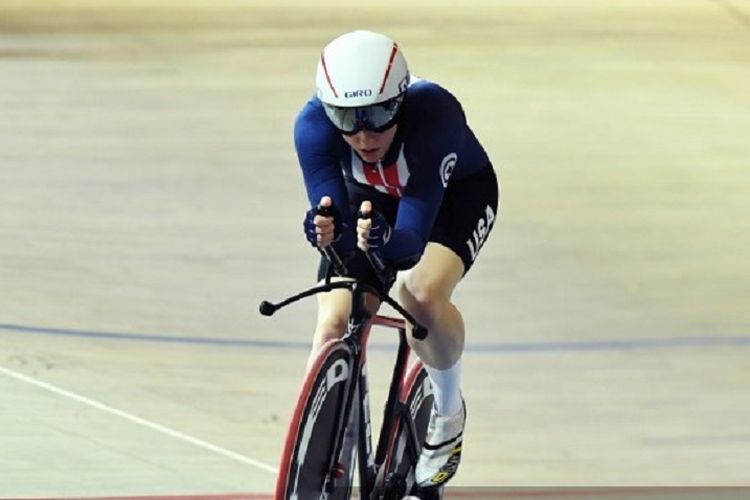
(376, 117)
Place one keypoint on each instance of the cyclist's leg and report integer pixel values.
(466, 217)
(425, 291)
(333, 313)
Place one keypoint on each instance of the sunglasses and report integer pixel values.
(376, 117)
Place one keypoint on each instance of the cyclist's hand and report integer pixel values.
(373, 232)
(322, 230)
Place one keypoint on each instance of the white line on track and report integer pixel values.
(138, 420)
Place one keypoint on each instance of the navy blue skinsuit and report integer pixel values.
(432, 147)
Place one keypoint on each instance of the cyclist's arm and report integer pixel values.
(433, 149)
(316, 143)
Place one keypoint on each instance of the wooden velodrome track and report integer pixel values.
(150, 198)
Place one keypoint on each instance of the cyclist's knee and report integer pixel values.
(333, 311)
(330, 326)
(423, 296)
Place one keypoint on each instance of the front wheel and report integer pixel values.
(306, 469)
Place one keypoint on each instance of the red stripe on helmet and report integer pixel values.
(328, 77)
(388, 69)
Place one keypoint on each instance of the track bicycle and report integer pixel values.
(331, 427)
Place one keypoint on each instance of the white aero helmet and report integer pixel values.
(361, 80)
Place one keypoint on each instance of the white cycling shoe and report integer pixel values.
(441, 450)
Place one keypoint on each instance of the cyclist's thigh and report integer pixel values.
(334, 307)
(436, 274)
(467, 215)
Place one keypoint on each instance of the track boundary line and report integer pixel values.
(138, 420)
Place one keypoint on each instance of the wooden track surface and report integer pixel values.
(150, 198)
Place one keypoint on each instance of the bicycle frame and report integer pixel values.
(372, 464)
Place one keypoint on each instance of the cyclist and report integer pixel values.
(377, 141)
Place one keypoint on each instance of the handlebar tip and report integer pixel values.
(266, 308)
(419, 332)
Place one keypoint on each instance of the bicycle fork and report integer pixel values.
(347, 423)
